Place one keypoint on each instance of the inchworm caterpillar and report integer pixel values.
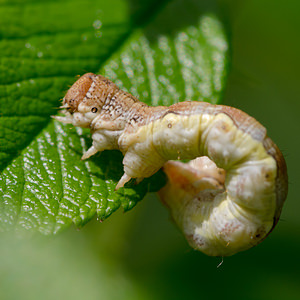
(225, 202)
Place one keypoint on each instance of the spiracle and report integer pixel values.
(228, 198)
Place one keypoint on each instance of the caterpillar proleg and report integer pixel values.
(226, 201)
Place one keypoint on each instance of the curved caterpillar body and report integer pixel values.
(226, 202)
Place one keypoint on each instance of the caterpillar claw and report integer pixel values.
(124, 179)
(139, 180)
(91, 151)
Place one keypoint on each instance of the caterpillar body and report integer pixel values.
(226, 201)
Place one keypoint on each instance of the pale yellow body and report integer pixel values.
(235, 219)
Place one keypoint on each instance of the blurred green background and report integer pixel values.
(141, 254)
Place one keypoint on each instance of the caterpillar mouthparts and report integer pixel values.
(226, 201)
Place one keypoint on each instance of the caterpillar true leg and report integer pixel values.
(66, 120)
(224, 203)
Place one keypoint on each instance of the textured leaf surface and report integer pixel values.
(162, 53)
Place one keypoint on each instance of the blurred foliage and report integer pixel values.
(141, 255)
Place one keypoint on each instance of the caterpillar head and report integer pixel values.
(84, 100)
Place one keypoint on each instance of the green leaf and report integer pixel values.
(160, 52)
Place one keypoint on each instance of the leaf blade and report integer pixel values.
(162, 63)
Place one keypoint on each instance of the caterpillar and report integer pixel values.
(228, 198)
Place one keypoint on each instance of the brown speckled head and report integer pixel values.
(77, 92)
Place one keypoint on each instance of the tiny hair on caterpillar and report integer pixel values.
(227, 199)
